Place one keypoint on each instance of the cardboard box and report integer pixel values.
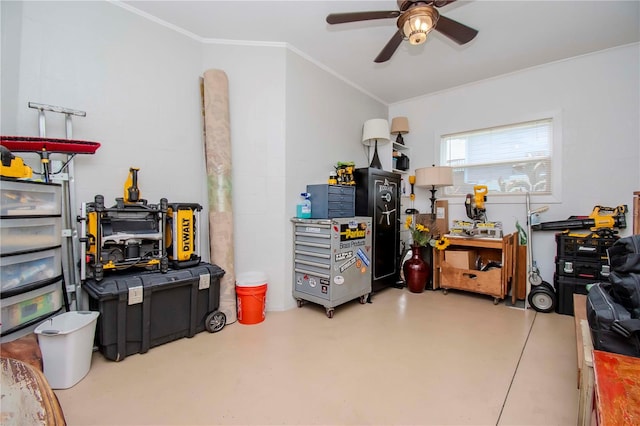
(461, 259)
(442, 216)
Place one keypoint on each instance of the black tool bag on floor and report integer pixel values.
(612, 327)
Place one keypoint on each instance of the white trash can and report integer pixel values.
(66, 343)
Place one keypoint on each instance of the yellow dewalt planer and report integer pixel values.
(134, 233)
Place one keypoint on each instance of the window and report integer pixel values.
(510, 159)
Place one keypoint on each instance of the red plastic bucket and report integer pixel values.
(251, 291)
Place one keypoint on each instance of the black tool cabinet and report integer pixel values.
(581, 259)
(378, 196)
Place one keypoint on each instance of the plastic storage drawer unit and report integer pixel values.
(25, 309)
(28, 234)
(26, 198)
(141, 310)
(21, 272)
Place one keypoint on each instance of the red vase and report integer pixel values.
(416, 271)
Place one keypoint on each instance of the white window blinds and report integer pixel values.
(507, 159)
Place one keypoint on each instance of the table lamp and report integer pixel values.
(434, 177)
(374, 130)
(399, 126)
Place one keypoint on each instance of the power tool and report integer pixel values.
(131, 190)
(133, 233)
(129, 234)
(600, 219)
(475, 203)
(478, 225)
(12, 166)
(181, 238)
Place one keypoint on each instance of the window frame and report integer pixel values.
(555, 195)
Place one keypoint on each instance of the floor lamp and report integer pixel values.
(434, 177)
(374, 131)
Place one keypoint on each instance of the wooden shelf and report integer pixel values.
(493, 282)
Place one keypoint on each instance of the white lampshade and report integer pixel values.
(435, 176)
(375, 130)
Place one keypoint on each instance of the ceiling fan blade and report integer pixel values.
(456, 31)
(442, 3)
(387, 52)
(342, 18)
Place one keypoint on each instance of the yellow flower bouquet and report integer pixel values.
(421, 235)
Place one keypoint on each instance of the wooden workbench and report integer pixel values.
(494, 282)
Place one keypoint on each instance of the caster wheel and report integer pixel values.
(496, 300)
(535, 278)
(215, 321)
(445, 291)
(363, 300)
(329, 313)
(542, 299)
(300, 303)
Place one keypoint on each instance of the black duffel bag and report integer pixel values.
(612, 327)
(624, 255)
(625, 290)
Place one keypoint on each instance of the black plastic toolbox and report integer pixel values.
(584, 247)
(140, 310)
(566, 288)
(575, 268)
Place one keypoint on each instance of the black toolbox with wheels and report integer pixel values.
(581, 259)
(566, 288)
(140, 310)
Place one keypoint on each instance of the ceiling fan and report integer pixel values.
(415, 20)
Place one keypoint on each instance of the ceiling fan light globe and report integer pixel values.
(417, 38)
(417, 22)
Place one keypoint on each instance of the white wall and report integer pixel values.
(137, 81)
(257, 113)
(597, 97)
(324, 126)
(290, 123)
(139, 84)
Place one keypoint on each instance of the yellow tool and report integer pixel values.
(607, 217)
(475, 204)
(131, 190)
(601, 218)
(129, 234)
(13, 166)
(181, 234)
